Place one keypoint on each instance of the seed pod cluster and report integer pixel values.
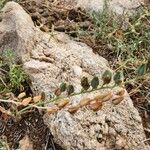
(94, 104)
(27, 100)
(97, 102)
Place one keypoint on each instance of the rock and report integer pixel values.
(49, 59)
(118, 6)
(11, 37)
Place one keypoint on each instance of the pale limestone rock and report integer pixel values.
(49, 60)
(118, 6)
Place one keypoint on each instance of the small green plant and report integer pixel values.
(12, 76)
(1, 4)
(3, 144)
(16, 76)
(123, 41)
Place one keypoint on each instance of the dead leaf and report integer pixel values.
(26, 101)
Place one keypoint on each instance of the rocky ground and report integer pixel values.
(61, 16)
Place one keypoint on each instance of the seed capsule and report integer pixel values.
(121, 92)
(26, 101)
(37, 98)
(62, 103)
(84, 102)
(107, 97)
(51, 110)
(57, 92)
(96, 105)
(22, 95)
(73, 109)
(117, 100)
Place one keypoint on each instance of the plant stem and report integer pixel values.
(62, 97)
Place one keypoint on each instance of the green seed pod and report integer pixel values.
(70, 89)
(141, 69)
(63, 87)
(118, 78)
(95, 82)
(106, 77)
(84, 83)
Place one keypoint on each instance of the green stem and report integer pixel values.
(135, 79)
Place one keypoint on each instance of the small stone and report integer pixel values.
(77, 70)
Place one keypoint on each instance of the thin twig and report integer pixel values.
(10, 101)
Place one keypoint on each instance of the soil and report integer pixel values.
(31, 124)
(60, 17)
